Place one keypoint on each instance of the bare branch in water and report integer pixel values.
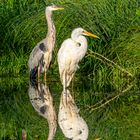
(107, 100)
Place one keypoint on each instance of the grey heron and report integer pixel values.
(71, 52)
(41, 54)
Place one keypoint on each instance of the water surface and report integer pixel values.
(117, 120)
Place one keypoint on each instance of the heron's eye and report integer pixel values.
(51, 4)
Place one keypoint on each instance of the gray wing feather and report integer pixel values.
(35, 57)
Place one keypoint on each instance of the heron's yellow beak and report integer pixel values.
(90, 34)
(58, 8)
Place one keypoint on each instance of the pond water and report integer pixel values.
(109, 115)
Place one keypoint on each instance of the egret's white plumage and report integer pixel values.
(71, 52)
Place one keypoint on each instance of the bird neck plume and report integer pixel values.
(51, 30)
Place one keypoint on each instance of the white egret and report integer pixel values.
(71, 52)
(41, 55)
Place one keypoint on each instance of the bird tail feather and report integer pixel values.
(33, 73)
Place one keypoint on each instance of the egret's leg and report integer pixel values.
(72, 75)
(62, 77)
(70, 78)
(68, 81)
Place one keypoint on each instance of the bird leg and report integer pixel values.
(38, 73)
(70, 78)
(65, 81)
(45, 70)
(38, 87)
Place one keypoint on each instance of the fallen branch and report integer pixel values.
(101, 58)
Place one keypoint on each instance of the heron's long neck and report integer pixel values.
(51, 31)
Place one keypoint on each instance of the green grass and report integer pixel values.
(23, 25)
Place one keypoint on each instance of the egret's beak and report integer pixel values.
(90, 34)
(58, 8)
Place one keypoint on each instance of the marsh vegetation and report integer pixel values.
(107, 83)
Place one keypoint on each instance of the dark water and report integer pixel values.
(109, 114)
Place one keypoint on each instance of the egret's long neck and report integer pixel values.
(51, 31)
(82, 42)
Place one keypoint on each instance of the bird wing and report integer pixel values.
(36, 55)
(68, 57)
(67, 52)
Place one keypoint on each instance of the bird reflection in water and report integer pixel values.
(42, 102)
(72, 124)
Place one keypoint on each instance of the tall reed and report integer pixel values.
(23, 25)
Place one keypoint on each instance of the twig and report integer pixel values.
(101, 58)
